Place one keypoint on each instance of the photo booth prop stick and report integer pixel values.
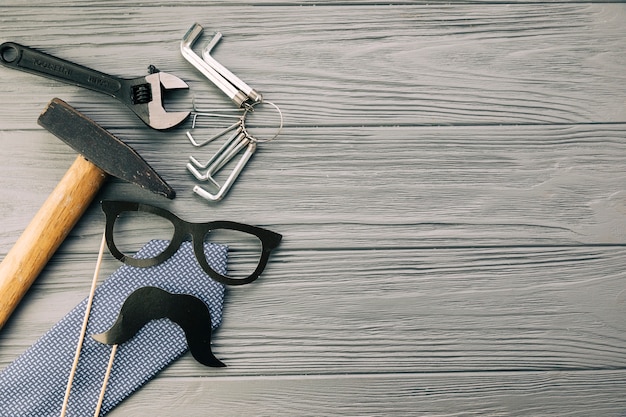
(35, 383)
(65, 361)
(252, 244)
(152, 303)
(101, 153)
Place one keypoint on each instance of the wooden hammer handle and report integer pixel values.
(46, 231)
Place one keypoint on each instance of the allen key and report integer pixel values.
(250, 149)
(215, 72)
(230, 149)
(200, 165)
(236, 125)
(251, 93)
(196, 112)
(227, 152)
(243, 96)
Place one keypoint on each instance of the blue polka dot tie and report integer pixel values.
(34, 385)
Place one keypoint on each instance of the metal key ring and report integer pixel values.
(250, 108)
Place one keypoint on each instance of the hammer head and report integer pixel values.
(100, 147)
(146, 99)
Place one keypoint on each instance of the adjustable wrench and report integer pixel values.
(143, 95)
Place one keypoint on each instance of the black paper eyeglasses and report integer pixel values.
(249, 246)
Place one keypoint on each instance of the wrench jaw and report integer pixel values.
(146, 100)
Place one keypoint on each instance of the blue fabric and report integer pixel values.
(34, 385)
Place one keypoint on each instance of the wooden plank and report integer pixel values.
(300, 3)
(462, 64)
(396, 311)
(500, 394)
(330, 187)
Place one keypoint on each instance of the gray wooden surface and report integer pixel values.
(450, 185)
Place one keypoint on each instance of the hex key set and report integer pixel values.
(246, 99)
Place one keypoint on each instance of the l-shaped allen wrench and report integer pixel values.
(238, 91)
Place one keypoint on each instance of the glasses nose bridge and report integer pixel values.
(185, 231)
(195, 231)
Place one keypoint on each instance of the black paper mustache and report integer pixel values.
(151, 303)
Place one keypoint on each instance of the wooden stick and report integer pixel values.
(46, 231)
(83, 330)
(105, 382)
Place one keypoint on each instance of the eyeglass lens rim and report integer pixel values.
(182, 228)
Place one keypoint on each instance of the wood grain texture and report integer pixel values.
(357, 65)
(449, 184)
(292, 3)
(504, 394)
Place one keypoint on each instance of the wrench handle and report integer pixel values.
(46, 231)
(21, 57)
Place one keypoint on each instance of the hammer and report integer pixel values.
(101, 153)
